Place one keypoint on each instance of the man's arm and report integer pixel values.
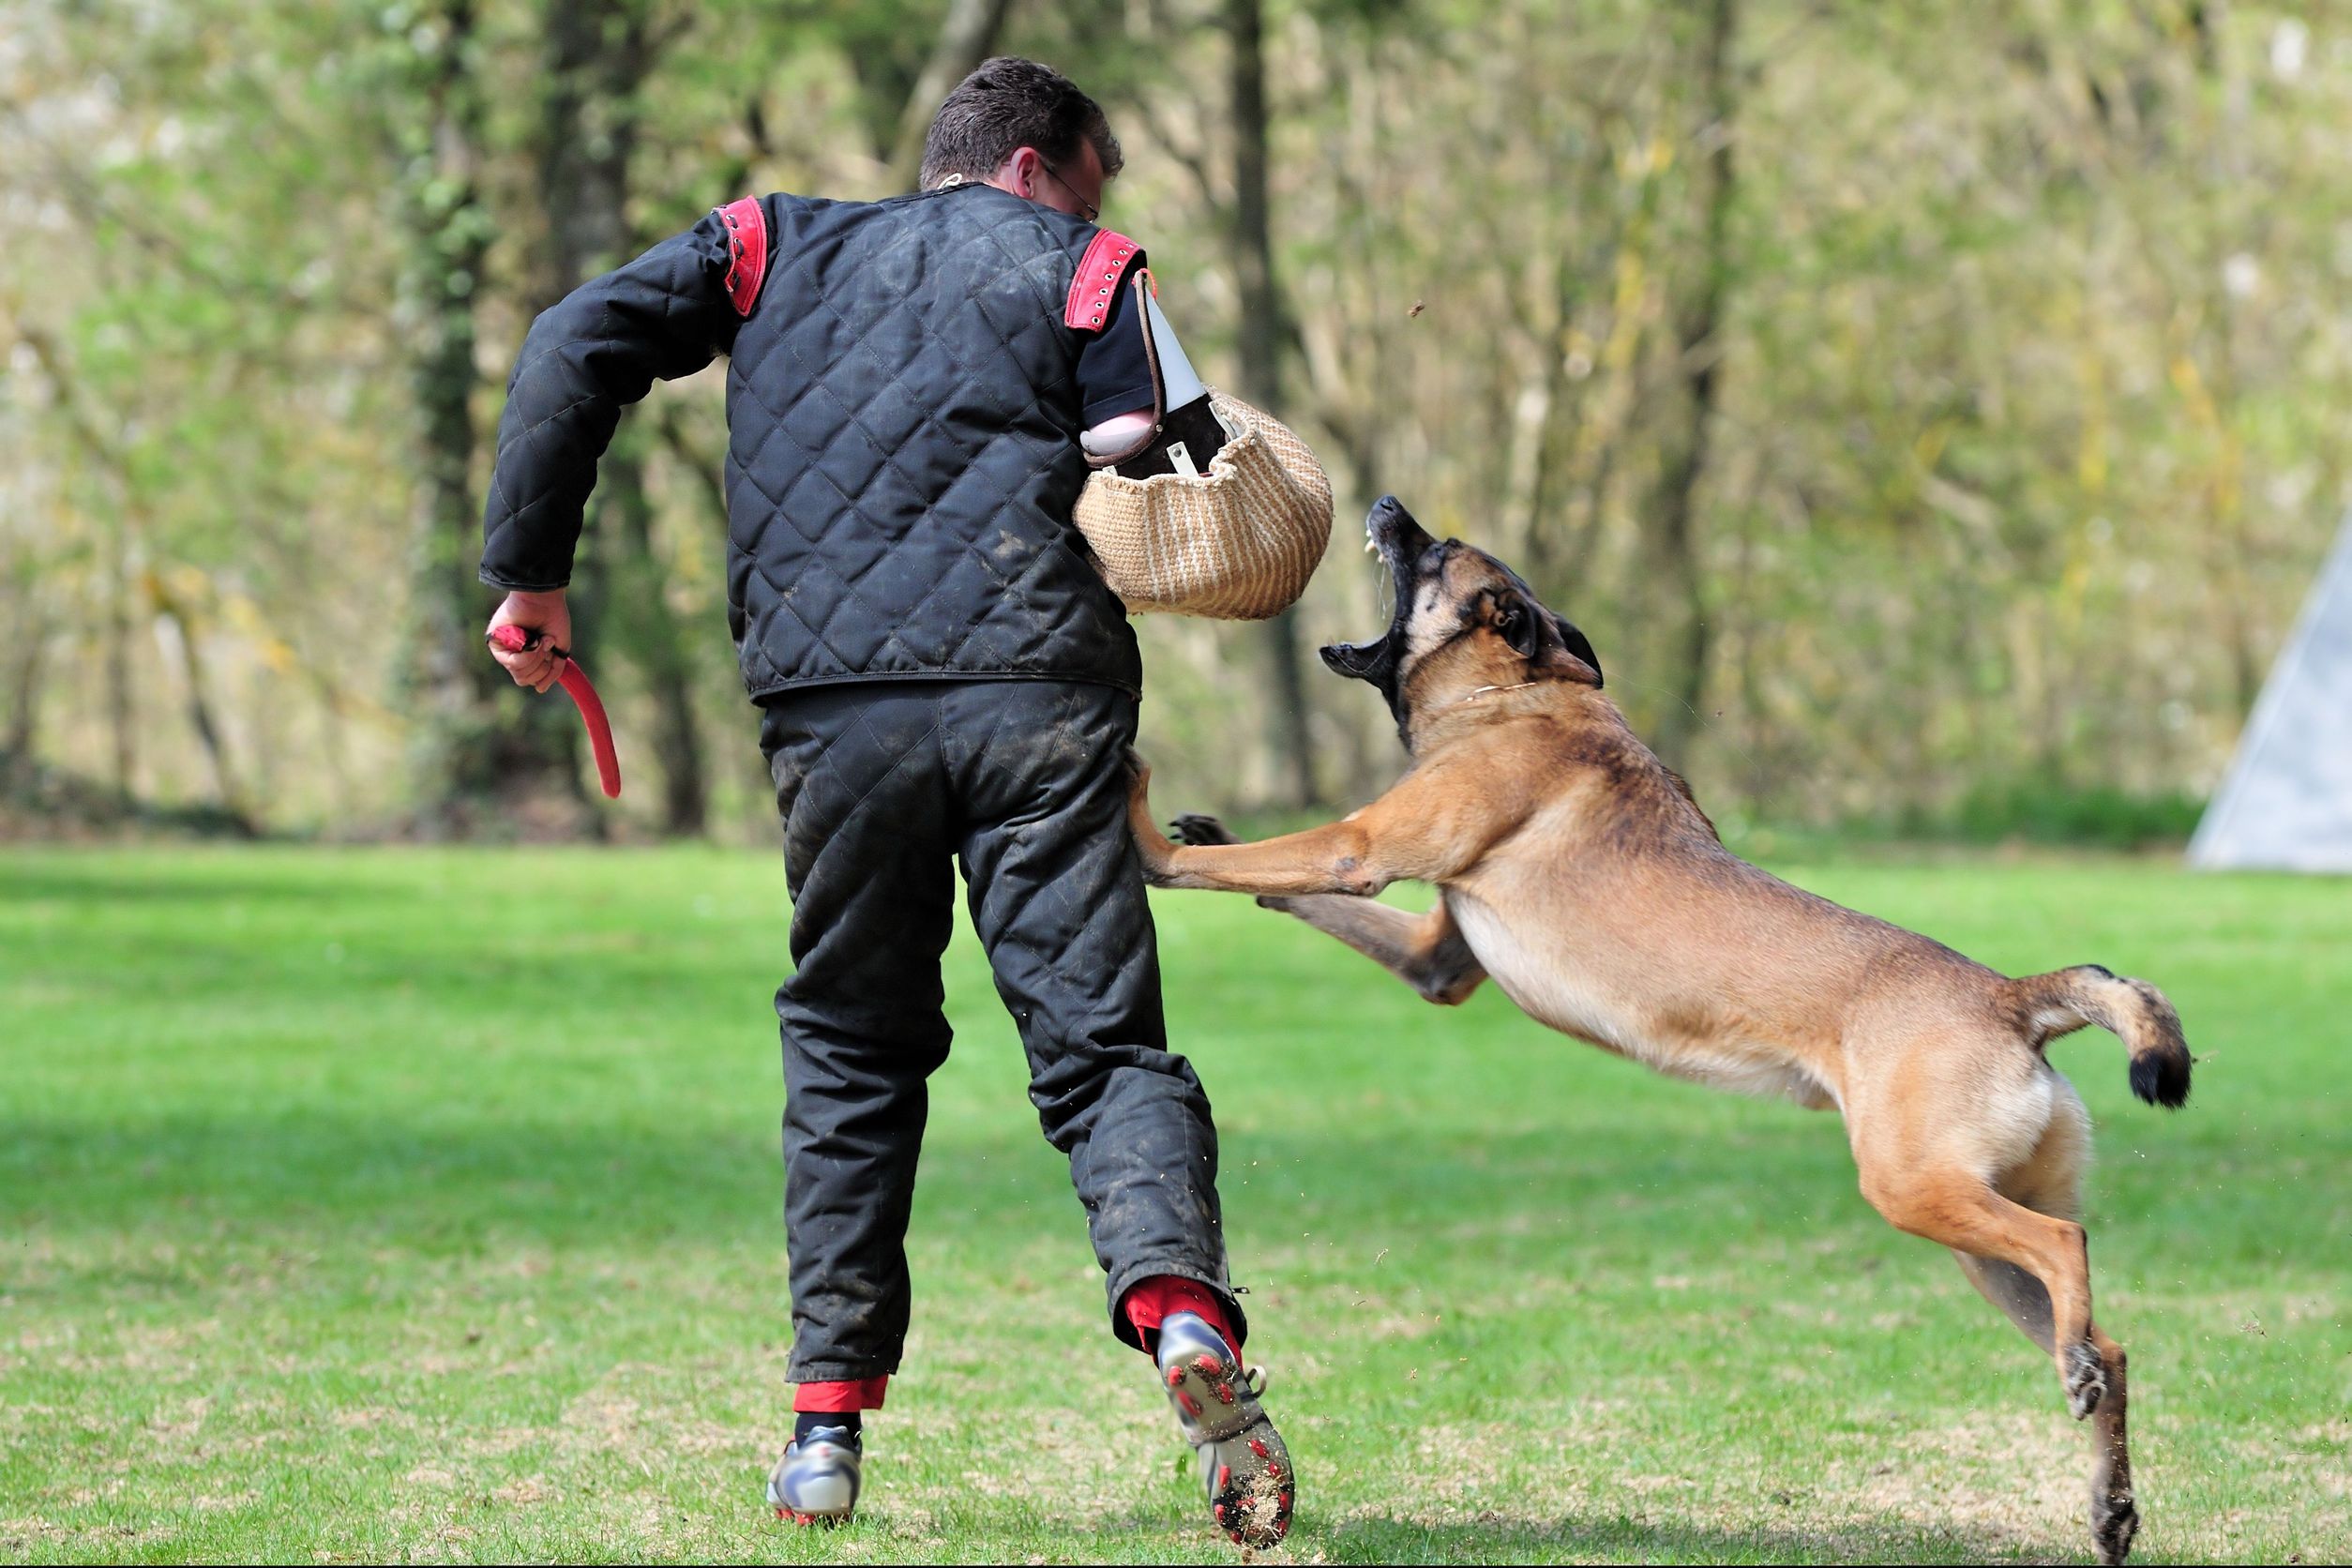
(600, 349)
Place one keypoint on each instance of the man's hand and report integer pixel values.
(549, 616)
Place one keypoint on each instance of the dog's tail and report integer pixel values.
(2134, 1011)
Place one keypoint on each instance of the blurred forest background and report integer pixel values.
(1934, 413)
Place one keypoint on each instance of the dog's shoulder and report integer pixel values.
(1588, 744)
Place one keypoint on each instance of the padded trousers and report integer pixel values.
(1024, 783)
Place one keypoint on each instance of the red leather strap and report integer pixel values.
(747, 246)
(1106, 262)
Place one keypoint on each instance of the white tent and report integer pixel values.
(2286, 803)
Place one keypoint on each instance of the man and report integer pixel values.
(943, 676)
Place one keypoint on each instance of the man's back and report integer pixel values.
(904, 405)
(904, 409)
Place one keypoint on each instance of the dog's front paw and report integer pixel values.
(1198, 828)
(1151, 846)
(2086, 1379)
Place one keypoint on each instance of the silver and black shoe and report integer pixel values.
(1244, 1468)
(816, 1481)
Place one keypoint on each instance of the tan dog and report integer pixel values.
(1578, 871)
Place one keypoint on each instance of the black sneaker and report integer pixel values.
(1244, 1465)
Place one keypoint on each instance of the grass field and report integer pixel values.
(421, 1205)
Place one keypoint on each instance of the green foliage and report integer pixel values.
(2031, 399)
(2041, 812)
(406, 1204)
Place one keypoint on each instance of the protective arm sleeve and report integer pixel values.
(666, 314)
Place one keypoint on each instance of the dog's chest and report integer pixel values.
(1547, 990)
(1557, 988)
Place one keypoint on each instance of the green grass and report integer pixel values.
(399, 1205)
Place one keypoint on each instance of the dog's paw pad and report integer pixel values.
(2086, 1379)
(1198, 828)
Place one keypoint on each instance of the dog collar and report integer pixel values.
(1484, 689)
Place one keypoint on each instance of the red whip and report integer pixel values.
(573, 680)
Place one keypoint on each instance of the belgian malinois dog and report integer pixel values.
(1579, 871)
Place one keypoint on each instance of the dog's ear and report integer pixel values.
(1519, 620)
(1572, 655)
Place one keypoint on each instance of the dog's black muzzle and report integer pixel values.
(1402, 545)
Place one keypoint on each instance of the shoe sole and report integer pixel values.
(1251, 1489)
(814, 1521)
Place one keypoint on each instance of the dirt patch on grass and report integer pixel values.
(2015, 1481)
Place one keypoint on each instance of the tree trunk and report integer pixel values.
(641, 616)
(29, 638)
(1263, 333)
(199, 716)
(114, 558)
(600, 53)
(2226, 175)
(597, 60)
(1698, 361)
(458, 752)
(967, 37)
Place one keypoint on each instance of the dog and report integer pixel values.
(1579, 871)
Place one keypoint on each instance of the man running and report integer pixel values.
(943, 678)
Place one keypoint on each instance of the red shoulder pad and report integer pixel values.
(1106, 262)
(747, 251)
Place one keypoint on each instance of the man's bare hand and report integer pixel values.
(546, 614)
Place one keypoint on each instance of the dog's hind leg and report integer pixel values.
(1964, 1213)
(2048, 1183)
(2036, 1268)
(2114, 1514)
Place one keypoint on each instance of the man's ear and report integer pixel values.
(1018, 173)
(1572, 655)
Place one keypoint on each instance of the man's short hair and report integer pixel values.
(1007, 104)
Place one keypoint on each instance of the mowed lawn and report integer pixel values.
(398, 1204)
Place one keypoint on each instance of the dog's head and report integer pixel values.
(1464, 621)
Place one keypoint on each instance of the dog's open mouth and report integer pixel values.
(1391, 532)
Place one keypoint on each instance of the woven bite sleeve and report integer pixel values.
(1237, 543)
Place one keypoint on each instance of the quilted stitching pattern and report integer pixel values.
(1026, 783)
(665, 314)
(903, 454)
(903, 412)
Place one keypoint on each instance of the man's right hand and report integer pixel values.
(551, 618)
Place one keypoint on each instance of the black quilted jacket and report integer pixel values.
(903, 415)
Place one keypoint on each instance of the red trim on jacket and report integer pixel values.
(747, 251)
(1106, 262)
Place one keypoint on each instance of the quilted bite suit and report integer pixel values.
(945, 679)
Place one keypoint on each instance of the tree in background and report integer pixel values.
(1913, 404)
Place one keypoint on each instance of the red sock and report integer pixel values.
(1148, 1303)
(866, 1393)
